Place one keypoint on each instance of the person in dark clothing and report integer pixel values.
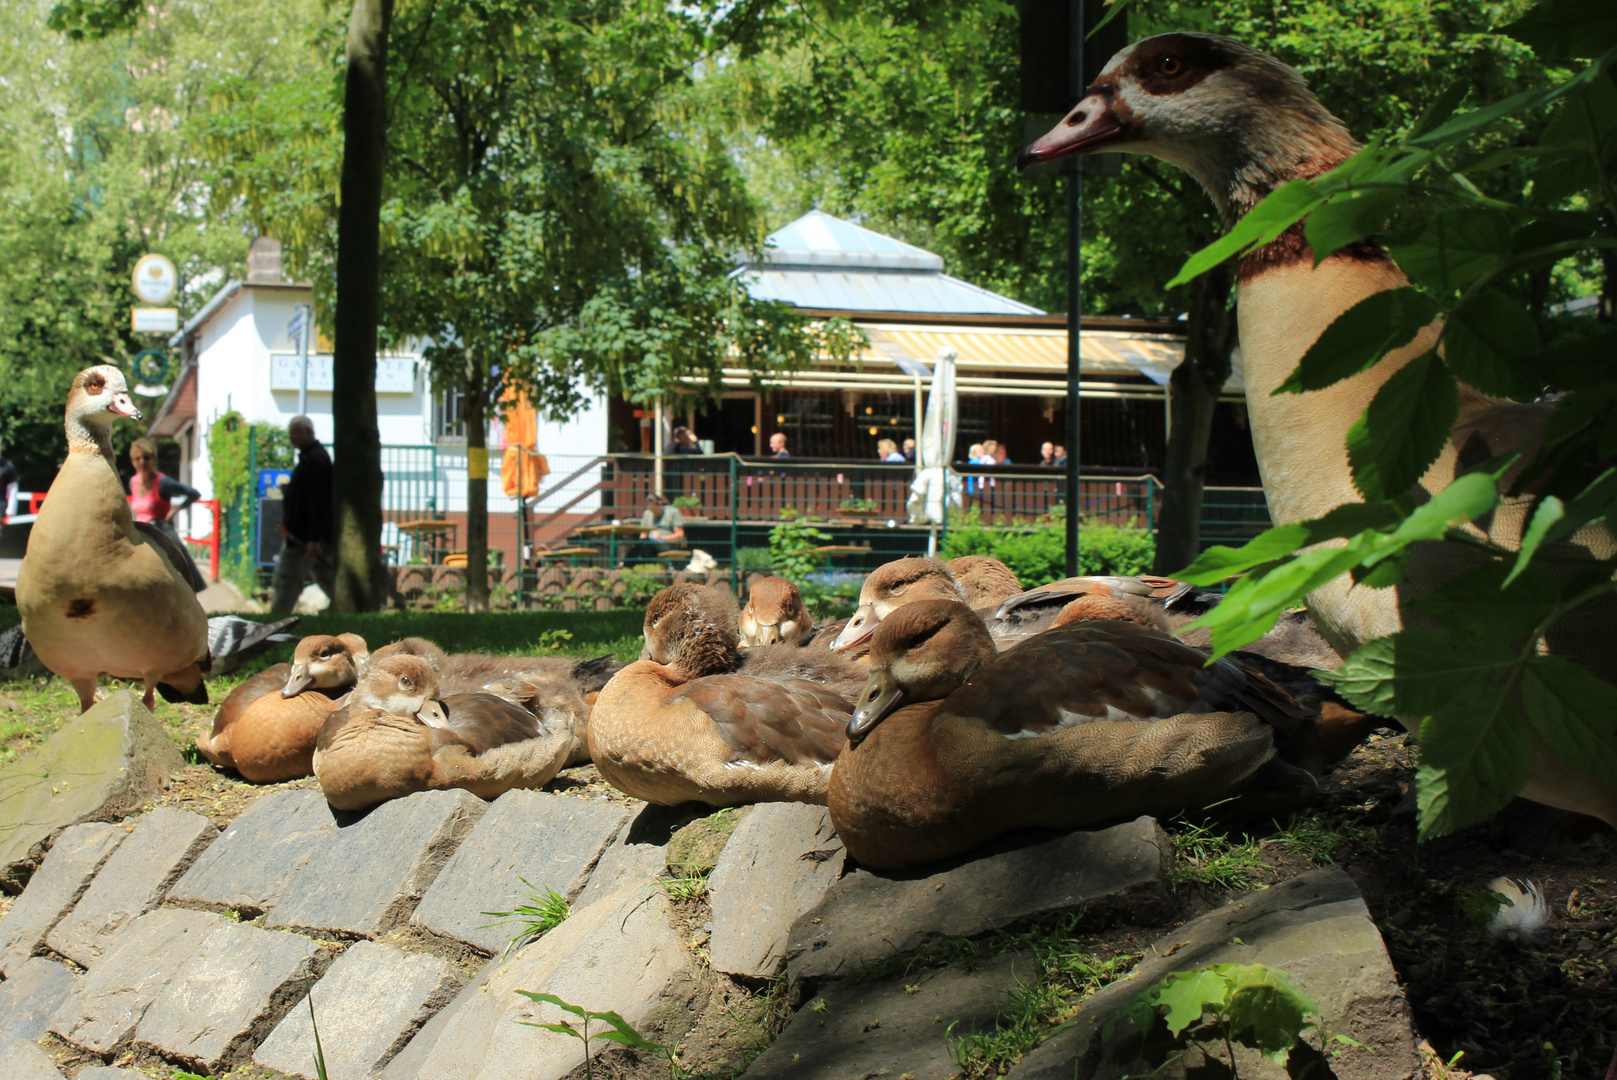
(683, 442)
(305, 520)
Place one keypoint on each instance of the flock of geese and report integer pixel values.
(954, 705)
(927, 726)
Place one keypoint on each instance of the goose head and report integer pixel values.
(325, 662)
(891, 586)
(401, 686)
(1238, 120)
(923, 652)
(98, 394)
(1120, 607)
(984, 580)
(691, 630)
(774, 613)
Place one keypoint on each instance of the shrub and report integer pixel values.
(1037, 556)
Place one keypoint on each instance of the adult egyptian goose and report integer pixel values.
(396, 737)
(775, 613)
(1242, 124)
(682, 724)
(266, 729)
(954, 743)
(97, 591)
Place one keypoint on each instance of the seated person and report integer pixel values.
(666, 527)
(683, 442)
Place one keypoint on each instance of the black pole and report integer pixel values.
(1075, 192)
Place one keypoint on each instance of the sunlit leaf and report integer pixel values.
(1360, 336)
(1468, 498)
(1549, 513)
(1404, 428)
(1440, 110)
(1252, 606)
(1280, 210)
(1575, 712)
(1471, 122)
(1349, 218)
(1269, 1013)
(1418, 670)
(1219, 562)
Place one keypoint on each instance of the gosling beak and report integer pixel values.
(298, 681)
(123, 406)
(1091, 126)
(858, 630)
(645, 651)
(432, 714)
(881, 696)
(769, 635)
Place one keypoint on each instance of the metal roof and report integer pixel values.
(820, 261)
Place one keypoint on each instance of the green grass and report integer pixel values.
(1206, 856)
(543, 911)
(686, 884)
(1321, 840)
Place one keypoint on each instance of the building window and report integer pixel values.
(449, 416)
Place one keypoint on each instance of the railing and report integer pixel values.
(210, 543)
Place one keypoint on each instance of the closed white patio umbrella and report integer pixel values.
(934, 450)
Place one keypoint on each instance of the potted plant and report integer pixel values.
(859, 508)
(689, 506)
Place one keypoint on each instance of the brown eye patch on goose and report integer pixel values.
(95, 382)
(1173, 63)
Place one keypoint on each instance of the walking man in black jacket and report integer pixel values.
(305, 520)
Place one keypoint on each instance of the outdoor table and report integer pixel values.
(571, 554)
(612, 532)
(831, 551)
(436, 533)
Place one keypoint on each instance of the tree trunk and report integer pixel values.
(476, 488)
(357, 457)
(1193, 391)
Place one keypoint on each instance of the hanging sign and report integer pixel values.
(151, 372)
(155, 280)
(154, 320)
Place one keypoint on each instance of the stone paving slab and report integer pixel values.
(97, 767)
(638, 855)
(618, 953)
(53, 890)
(108, 1072)
(367, 1006)
(106, 1004)
(777, 864)
(367, 876)
(248, 867)
(31, 997)
(228, 995)
(131, 882)
(867, 916)
(891, 1030)
(1316, 928)
(24, 1060)
(551, 840)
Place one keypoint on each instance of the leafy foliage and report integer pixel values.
(1477, 687)
(791, 546)
(542, 911)
(1250, 1004)
(1037, 556)
(618, 1031)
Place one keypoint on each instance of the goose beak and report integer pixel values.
(1092, 125)
(881, 696)
(123, 406)
(298, 681)
(645, 651)
(769, 635)
(858, 630)
(432, 714)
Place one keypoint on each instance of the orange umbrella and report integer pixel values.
(522, 468)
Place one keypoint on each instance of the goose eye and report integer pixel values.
(1170, 65)
(897, 590)
(406, 683)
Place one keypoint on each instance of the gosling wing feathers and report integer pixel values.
(764, 720)
(483, 721)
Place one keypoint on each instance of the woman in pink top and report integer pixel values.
(152, 495)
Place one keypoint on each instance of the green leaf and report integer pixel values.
(1360, 336)
(1483, 341)
(1468, 498)
(1404, 428)
(1188, 994)
(1467, 123)
(1561, 30)
(1280, 209)
(1440, 110)
(1114, 8)
(1491, 600)
(1455, 247)
(1349, 218)
(1549, 513)
(552, 999)
(1251, 608)
(1219, 562)
(1418, 670)
(1475, 753)
(1575, 712)
(1267, 1011)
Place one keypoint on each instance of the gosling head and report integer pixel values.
(401, 686)
(775, 612)
(891, 586)
(924, 651)
(325, 662)
(691, 629)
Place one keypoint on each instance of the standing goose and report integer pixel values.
(97, 592)
(1242, 124)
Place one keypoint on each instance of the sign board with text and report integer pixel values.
(394, 374)
(154, 320)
